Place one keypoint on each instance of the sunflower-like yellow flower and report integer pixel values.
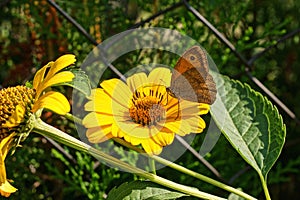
(141, 111)
(19, 104)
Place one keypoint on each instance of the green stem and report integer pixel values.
(187, 171)
(202, 177)
(73, 118)
(152, 165)
(53, 133)
(265, 188)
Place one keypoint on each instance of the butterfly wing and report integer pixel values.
(191, 79)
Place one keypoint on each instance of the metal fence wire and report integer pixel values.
(248, 63)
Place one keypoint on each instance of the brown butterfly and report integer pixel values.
(191, 79)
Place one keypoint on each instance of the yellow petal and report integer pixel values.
(189, 108)
(94, 119)
(136, 81)
(185, 109)
(173, 107)
(99, 134)
(132, 140)
(62, 62)
(164, 137)
(100, 102)
(160, 76)
(151, 147)
(204, 108)
(179, 127)
(133, 133)
(2, 171)
(116, 131)
(5, 146)
(197, 124)
(118, 91)
(56, 79)
(6, 189)
(134, 130)
(39, 75)
(54, 101)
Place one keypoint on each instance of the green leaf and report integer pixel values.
(81, 82)
(142, 190)
(250, 123)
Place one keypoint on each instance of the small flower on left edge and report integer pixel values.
(20, 105)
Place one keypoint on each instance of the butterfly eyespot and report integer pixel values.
(192, 58)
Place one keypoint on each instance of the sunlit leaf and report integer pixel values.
(250, 123)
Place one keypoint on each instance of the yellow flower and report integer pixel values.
(54, 101)
(19, 104)
(141, 111)
(5, 188)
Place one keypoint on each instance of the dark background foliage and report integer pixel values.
(34, 32)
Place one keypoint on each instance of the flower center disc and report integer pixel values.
(147, 108)
(15, 103)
